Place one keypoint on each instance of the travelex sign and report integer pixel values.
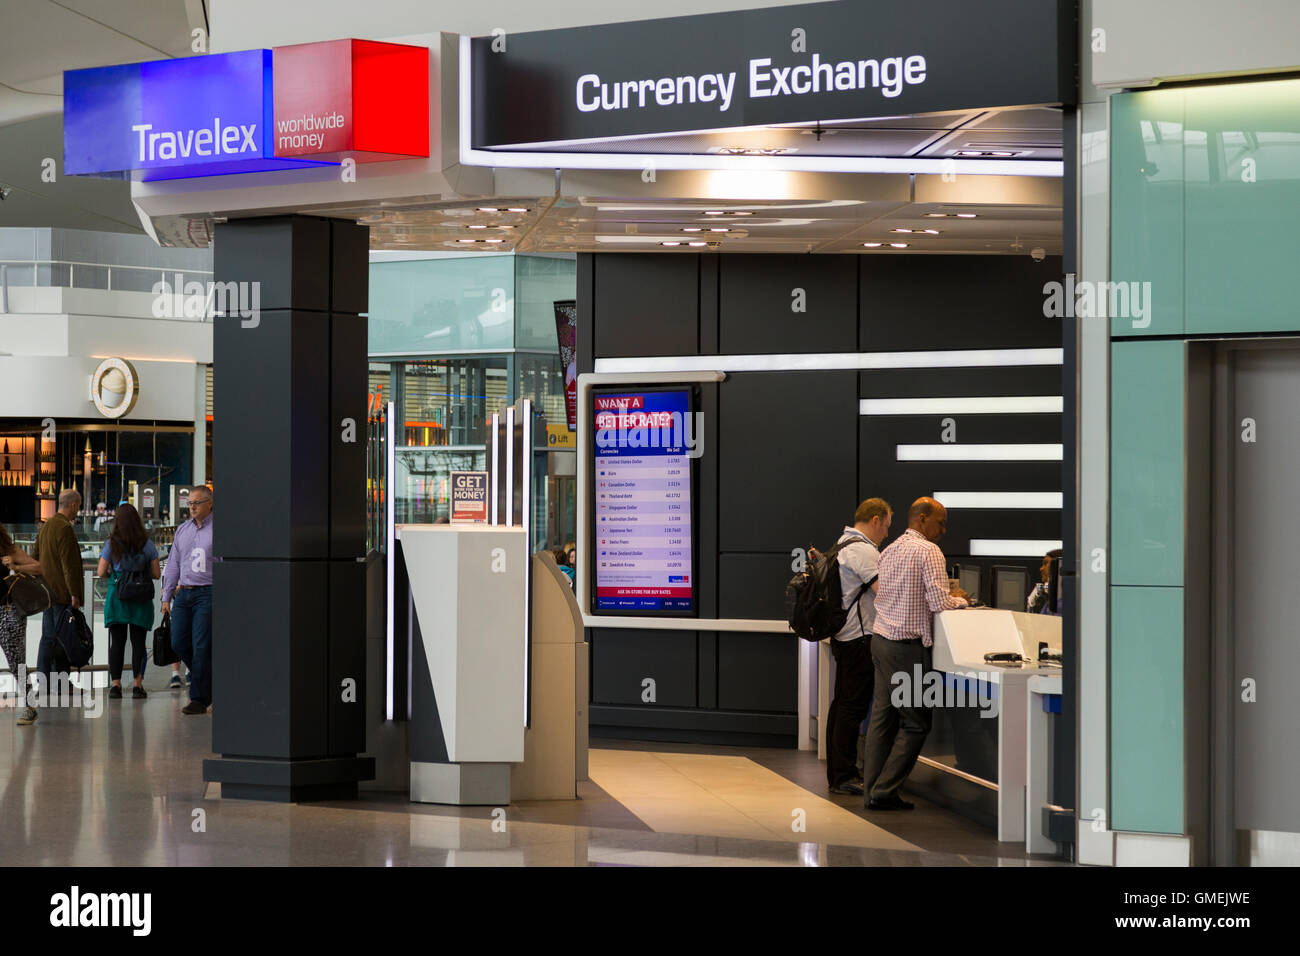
(308, 105)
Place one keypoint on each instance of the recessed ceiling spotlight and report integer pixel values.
(723, 212)
(752, 150)
(936, 215)
(967, 215)
(516, 209)
(493, 241)
(719, 229)
(931, 232)
(670, 242)
(900, 230)
(873, 245)
(468, 241)
(697, 243)
(488, 209)
(692, 229)
(898, 245)
(475, 226)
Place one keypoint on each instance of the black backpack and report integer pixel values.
(74, 643)
(814, 597)
(133, 582)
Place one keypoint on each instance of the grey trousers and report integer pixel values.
(895, 735)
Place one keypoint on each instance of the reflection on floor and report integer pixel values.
(124, 788)
(728, 796)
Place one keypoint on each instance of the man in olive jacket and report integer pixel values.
(60, 556)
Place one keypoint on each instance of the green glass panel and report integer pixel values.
(1146, 709)
(1147, 463)
(1146, 219)
(1242, 162)
(451, 303)
(541, 281)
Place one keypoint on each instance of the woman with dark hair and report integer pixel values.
(13, 623)
(1043, 599)
(128, 552)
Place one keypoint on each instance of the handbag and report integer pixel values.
(73, 636)
(163, 652)
(134, 583)
(27, 592)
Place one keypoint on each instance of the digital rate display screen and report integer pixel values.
(642, 544)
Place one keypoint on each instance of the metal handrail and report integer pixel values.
(164, 272)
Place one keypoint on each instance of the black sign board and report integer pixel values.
(854, 59)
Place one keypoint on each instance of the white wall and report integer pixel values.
(59, 388)
(248, 24)
(1152, 40)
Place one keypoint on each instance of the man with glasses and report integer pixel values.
(187, 594)
(913, 588)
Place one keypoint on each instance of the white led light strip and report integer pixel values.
(1007, 548)
(967, 405)
(830, 361)
(958, 500)
(982, 452)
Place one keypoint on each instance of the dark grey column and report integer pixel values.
(289, 467)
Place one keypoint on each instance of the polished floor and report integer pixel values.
(124, 788)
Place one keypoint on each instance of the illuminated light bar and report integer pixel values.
(1007, 548)
(829, 361)
(390, 557)
(1020, 500)
(980, 452)
(967, 405)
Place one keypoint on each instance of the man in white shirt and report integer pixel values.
(858, 555)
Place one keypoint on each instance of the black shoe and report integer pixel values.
(115, 692)
(138, 693)
(853, 788)
(890, 803)
(194, 707)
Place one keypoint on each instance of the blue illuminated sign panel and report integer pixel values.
(169, 119)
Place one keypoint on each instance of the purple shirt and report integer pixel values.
(190, 560)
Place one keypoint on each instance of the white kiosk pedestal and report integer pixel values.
(961, 639)
(467, 628)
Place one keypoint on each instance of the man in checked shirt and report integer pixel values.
(913, 588)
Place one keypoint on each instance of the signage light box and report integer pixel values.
(642, 544)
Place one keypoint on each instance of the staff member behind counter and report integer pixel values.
(913, 588)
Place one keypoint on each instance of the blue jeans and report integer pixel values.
(192, 638)
(45, 652)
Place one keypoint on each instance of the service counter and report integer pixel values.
(976, 757)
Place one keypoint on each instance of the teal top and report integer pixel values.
(139, 613)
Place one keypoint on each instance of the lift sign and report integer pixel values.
(469, 491)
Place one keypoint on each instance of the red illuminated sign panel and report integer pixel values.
(351, 98)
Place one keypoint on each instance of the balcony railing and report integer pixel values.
(62, 273)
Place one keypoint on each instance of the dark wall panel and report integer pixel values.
(646, 305)
(347, 467)
(272, 421)
(752, 586)
(622, 658)
(787, 458)
(756, 304)
(270, 660)
(956, 302)
(947, 382)
(758, 672)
